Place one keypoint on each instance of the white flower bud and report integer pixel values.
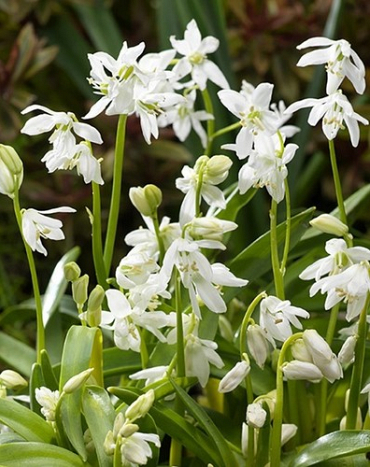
(329, 224)
(96, 298)
(11, 171)
(210, 228)
(258, 344)
(109, 444)
(300, 351)
(234, 377)
(71, 271)
(12, 380)
(77, 381)
(146, 200)
(288, 431)
(302, 370)
(128, 429)
(141, 406)
(256, 415)
(346, 354)
(217, 169)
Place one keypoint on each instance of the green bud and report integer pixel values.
(79, 289)
(128, 429)
(217, 169)
(77, 381)
(71, 271)
(329, 224)
(11, 171)
(96, 298)
(12, 380)
(146, 200)
(141, 406)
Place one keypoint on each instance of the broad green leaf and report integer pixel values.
(119, 362)
(81, 347)
(10, 437)
(255, 260)
(333, 446)
(176, 427)
(37, 455)
(25, 422)
(206, 422)
(100, 414)
(36, 381)
(16, 354)
(47, 370)
(57, 285)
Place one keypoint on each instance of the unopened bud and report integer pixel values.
(217, 169)
(210, 228)
(346, 355)
(71, 271)
(128, 429)
(77, 381)
(146, 200)
(79, 289)
(96, 298)
(12, 380)
(235, 376)
(300, 351)
(256, 415)
(302, 370)
(329, 224)
(141, 406)
(11, 171)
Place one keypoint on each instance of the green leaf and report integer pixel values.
(119, 362)
(333, 446)
(206, 422)
(25, 422)
(36, 381)
(176, 427)
(37, 455)
(100, 414)
(47, 370)
(16, 354)
(235, 202)
(57, 285)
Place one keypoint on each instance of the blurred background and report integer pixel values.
(43, 59)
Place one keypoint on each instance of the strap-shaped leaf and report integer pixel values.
(16, 354)
(25, 422)
(333, 446)
(100, 414)
(176, 427)
(37, 455)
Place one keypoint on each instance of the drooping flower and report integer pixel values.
(35, 226)
(334, 110)
(195, 60)
(48, 400)
(340, 59)
(235, 376)
(254, 113)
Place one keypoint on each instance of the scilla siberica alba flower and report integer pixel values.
(195, 60)
(254, 113)
(35, 225)
(340, 59)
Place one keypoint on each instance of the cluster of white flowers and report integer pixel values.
(335, 110)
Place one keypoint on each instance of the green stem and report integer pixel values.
(275, 450)
(97, 246)
(159, 238)
(322, 403)
(337, 184)
(40, 338)
(278, 276)
(225, 130)
(357, 371)
(116, 193)
(288, 228)
(245, 322)
(210, 123)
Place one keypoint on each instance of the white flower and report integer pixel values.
(207, 173)
(346, 355)
(87, 165)
(288, 431)
(151, 375)
(136, 449)
(135, 269)
(276, 317)
(334, 109)
(183, 117)
(256, 415)
(302, 370)
(48, 400)
(234, 377)
(35, 225)
(258, 344)
(341, 61)
(199, 354)
(195, 51)
(266, 166)
(127, 320)
(254, 114)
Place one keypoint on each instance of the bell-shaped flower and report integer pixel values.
(256, 415)
(135, 269)
(235, 376)
(277, 316)
(258, 344)
(136, 450)
(254, 113)
(297, 370)
(151, 375)
(340, 59)
(335, 110)
(195, 60)
(199, 354)
(36, 225)
(346, 355)
(183, 118)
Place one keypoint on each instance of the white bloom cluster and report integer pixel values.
(335, 110)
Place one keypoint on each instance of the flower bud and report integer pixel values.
(210, 228)
(128, 429)
(71, 271)
(256, 415)
(109, 444)
(257, 344)
(217, 169)
(12, 380)
(96, 298)
(288, 430)
(235, 376)
(300, 351)
(79, 289)
(11, 171)
(77, 381)
(329, 224)
(302, 370)
(141, 406)
(146, 200)
(346, 355)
